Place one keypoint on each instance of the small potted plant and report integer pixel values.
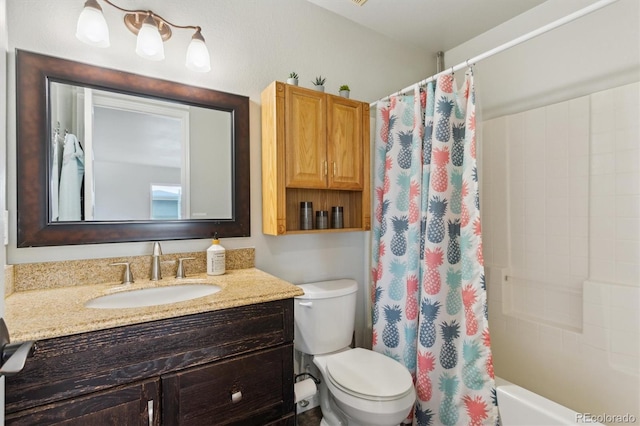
(293, 78)
(319, 83)
(344, 91)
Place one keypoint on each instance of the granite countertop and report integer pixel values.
(44, 314)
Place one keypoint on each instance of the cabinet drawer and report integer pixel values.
(249, 390)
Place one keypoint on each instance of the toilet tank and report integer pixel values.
(325, 316)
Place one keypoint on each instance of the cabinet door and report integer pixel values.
(305, 138)
(254, 389)
(136, 404)
(345, 144)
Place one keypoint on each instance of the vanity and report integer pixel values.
(226, 358)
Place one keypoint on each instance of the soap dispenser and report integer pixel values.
(215, 257)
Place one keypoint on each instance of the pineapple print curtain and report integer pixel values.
(429, 296)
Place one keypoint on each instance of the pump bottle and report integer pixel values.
(216, 257)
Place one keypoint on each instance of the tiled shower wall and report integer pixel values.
(548, 183)
(615, 186)
(561, 230)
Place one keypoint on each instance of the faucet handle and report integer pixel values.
(127, 275)
(180, 272)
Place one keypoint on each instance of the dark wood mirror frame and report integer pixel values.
(35, 229)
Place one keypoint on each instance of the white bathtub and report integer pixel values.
(520, 407)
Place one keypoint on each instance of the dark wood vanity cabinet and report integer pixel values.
(233, 366)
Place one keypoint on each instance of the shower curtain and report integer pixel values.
(429, 307)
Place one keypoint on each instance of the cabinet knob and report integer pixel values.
(236, 396)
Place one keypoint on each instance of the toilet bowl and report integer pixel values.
(369, 388)
(358, 386)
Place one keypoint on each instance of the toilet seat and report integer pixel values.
(368, 375)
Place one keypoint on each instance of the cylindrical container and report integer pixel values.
(306, 215)
(337, 218)
(322, 219)
(216, 258)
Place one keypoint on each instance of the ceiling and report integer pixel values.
(433, 25)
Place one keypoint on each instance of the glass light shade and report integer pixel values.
(149, 44)
(92, 27)
(198, 55)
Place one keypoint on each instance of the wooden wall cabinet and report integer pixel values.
(315, 147)
(233, 366)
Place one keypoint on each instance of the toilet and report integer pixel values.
(358, 386)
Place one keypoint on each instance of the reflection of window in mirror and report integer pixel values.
(165, 202)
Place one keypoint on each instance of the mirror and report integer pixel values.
(108, 156)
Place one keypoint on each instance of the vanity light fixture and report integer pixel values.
(152, 31)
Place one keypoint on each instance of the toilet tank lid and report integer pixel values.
(328, 289)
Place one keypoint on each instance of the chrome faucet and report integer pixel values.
(156, 271)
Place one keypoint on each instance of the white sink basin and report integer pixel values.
(152, 296)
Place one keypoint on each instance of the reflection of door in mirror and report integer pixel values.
(133, 144)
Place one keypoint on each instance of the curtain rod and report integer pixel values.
(472, 61)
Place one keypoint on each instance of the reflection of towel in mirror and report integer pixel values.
(56, 164)
(71, 179)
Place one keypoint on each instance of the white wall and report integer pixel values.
(596, 52)
(124, 189)
(582, 351)
(252, 43)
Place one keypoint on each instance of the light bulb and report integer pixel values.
(198, 54)
(92, 27)
(149, 43)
